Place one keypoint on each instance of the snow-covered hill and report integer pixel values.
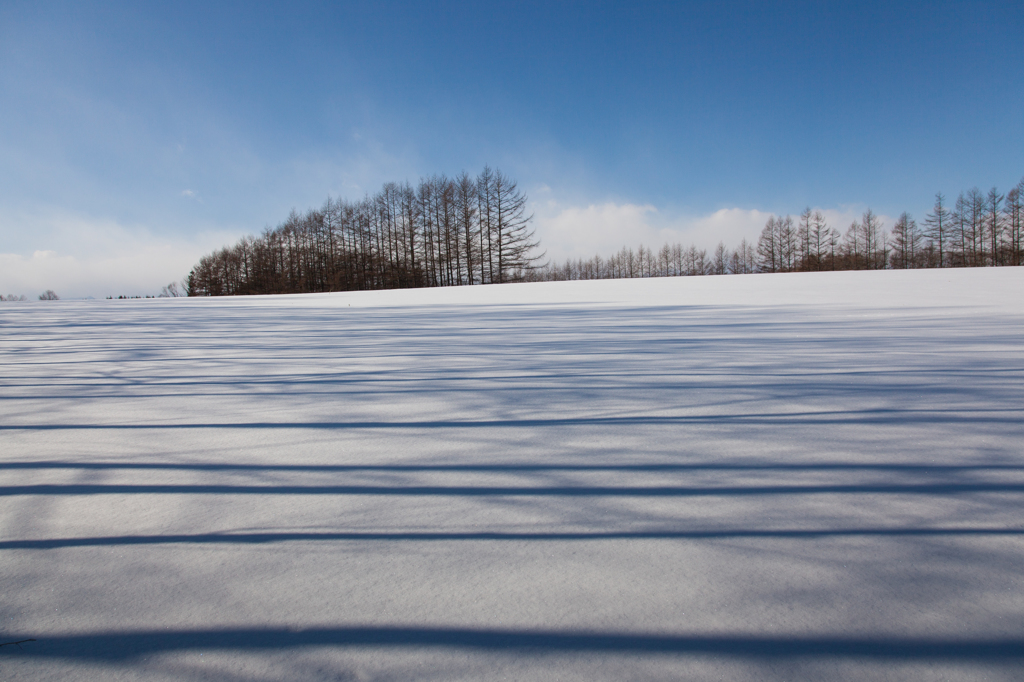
(750, 477)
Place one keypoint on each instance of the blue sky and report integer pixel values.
(136, 137)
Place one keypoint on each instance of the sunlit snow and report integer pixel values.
(760, 477)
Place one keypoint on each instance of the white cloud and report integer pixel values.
(567, 231)
(841, 218)
(193, 195)
(100, 258)
(573, 231)
(728, 225)
(581, 232)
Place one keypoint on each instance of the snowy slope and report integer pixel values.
(751, 477)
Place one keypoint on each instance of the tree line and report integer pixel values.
(474, 230)
(443, 232)
(47, 295)
(978, 230)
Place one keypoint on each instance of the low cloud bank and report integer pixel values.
(603, 229)
(100, 258)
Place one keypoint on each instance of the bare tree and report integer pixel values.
(805, 241)
(906, 243)
(172, 290)
(994, 224)
(853, 247)
(743, 260)
(874, 240)
(513, 240)
(769, 247)
(939, 224)
(49, 295)
(787, 243)
(720, 263)
(972, 225)
(818, 241)
(1013, 213)
(466, 216)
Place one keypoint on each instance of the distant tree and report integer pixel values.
(514, 241)
(853, 247)
(466, 217)
(960, 217)
(642, 259)
(695, 262)
(806, 255)
(428, 227)
(664, 261)
(720, 263)
(993, 221)
(1013, 216)
(787, 243)
(769, 247)
(973, 225)
(818, 241)
(906, 243)
(874, 240)
(49, 295)
(735, 265)
(833, 247)
(744, 259)
(938, 222)
(172, 290)
(486, 216)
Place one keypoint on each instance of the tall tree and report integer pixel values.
(513, 239)
(805, 239)
(906, 243)
(769, 247)
(1013, 210)
(466, 213)
(853, 247)
(819, 239)
(486, 216)
(787, 243)
(938, 222)
(975, 227)
(873, 239)
(994, 224)
(720, 262)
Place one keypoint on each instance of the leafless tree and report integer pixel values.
(906, 243)
(720, 263)
(993, 221)
(769, 247)
(938, 222)
(172, 290)
(1013, 218)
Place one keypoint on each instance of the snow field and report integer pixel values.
(746, 477)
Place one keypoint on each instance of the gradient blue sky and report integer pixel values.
(135, 137)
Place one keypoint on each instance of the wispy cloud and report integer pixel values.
(193, 195)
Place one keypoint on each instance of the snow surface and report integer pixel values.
(766, 477)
